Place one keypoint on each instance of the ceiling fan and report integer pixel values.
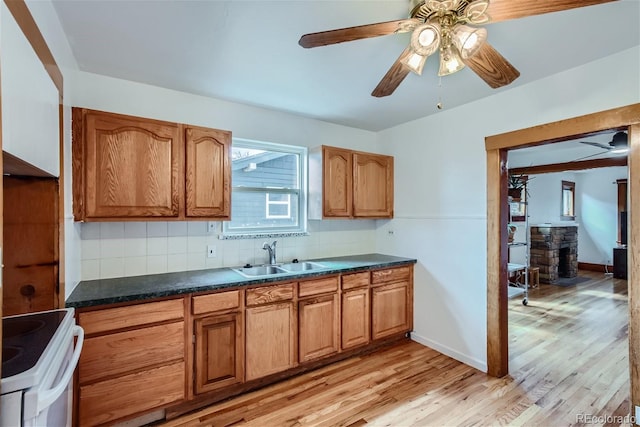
(441, 25)
(617, 145)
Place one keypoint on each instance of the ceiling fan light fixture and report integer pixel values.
(425, 39)
(450, 61)
(468, 39)
(414, 62)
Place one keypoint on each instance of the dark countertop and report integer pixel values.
(90, 293)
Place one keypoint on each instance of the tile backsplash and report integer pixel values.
(119, 249)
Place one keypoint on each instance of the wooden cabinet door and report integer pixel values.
(389, 309)
(132, 167)
(319, 327)
(372, 185)
(270, 339)
(219, 358)
(355, 318)
(337, 183)
(208, 173)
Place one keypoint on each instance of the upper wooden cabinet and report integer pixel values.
(349, 184)
(128, 167)
(372, 186)
(208, 176)
(337, 182)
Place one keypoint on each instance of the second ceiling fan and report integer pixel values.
(451, 28)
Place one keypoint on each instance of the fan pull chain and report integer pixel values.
(439, 104)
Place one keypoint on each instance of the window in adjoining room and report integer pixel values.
(568, 200)
(268, 194)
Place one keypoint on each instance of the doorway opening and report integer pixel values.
(623, 119)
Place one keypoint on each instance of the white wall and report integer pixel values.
(597, 214)
(29, 101)
(440, 183)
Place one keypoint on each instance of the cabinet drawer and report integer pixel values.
(318, 286)
(115, 354)
(356, 280)
(107, 401)
(111, 319)
(216, 302)
(390, 275)
(267, 294)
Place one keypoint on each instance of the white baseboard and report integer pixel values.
(473, 362)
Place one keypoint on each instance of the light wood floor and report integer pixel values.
(568, 362)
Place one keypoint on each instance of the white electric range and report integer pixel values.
(39, 354)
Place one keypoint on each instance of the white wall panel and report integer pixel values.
(29, 101)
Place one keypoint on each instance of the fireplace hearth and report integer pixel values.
(554, 250)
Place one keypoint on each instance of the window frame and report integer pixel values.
(301, 192)
(568, 215)
(269, 203)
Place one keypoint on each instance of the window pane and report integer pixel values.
(264, 169)
(249, 211)
(568, 199)
(268, 189)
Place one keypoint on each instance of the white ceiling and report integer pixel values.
(248, 52)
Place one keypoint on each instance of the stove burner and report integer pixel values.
(9, 352)
(26, 326)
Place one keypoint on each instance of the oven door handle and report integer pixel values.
(46, 398)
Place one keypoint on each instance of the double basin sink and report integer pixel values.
(273, 270)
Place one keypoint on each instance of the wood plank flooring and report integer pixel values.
(568, 364)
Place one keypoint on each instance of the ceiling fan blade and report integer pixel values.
(595, 144)
(393, 78)
(324, 38)
(492, 67)
(503, 10)
(589, 156)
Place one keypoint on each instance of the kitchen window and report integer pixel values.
(268, 195)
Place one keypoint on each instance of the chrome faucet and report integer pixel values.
(272, 251)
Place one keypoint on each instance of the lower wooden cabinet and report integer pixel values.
(132, 361)
(135, 357)
(219, 356)
(319, 323)
(390, 309)
(356, 323)
(270, 336)
(218, 333)
(135, 393)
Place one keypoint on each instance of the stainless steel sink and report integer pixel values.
(260, 271)
(274, 270)
(301, 266)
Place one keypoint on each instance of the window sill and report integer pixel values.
(262, 235)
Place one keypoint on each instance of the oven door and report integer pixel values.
(50, 403)
(11, 409)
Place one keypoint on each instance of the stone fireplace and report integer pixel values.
(554, 250)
